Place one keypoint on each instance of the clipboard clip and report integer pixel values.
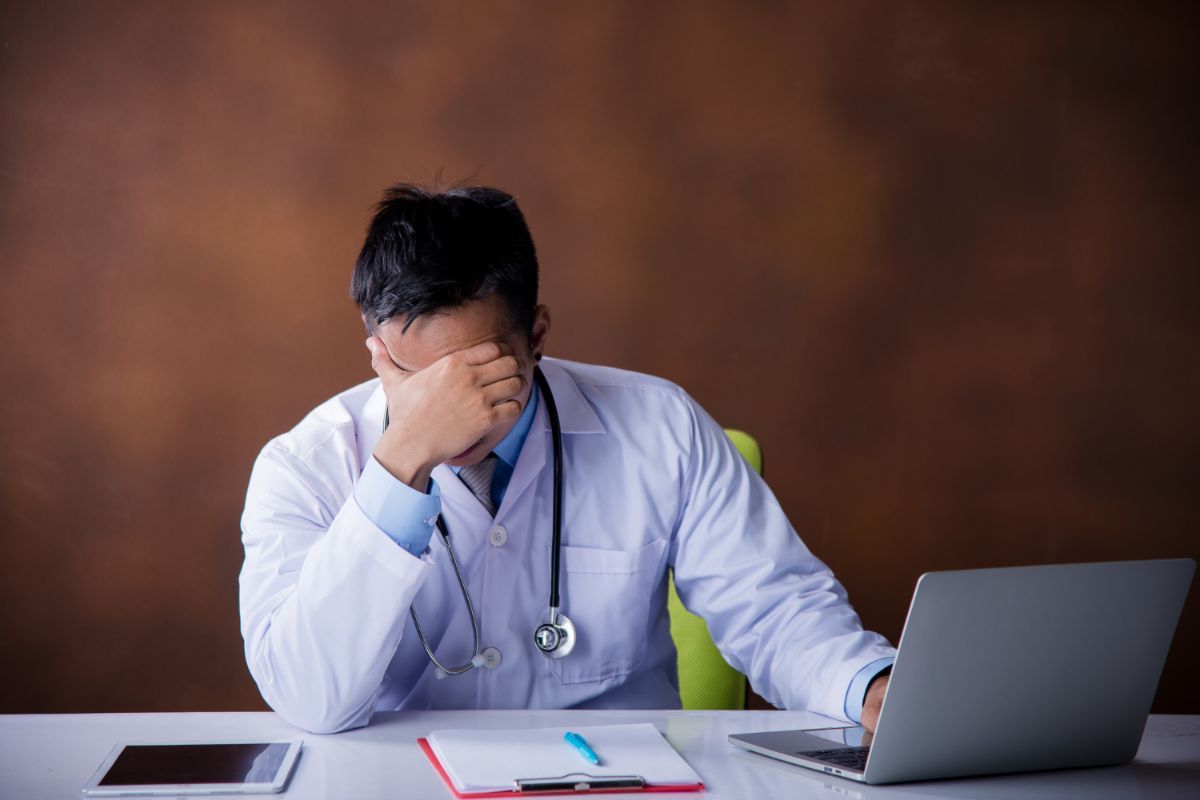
(579, 782)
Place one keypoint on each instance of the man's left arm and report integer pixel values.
(775, 611)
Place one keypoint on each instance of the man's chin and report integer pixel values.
(472, 455)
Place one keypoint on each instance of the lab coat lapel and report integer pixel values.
(575, 415)
(459, 501)
(529, 463)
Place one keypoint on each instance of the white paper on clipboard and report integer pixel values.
(491, 760)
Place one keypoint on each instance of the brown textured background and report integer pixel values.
(939, 257)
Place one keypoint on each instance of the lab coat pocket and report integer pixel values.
(607, 594)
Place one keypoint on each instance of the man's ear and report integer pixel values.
(540, 331)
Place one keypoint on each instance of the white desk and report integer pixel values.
(52, 756)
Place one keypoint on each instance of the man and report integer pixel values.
(341, 513)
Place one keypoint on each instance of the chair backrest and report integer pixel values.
(706, 681)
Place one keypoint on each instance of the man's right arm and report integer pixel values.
(324, 588)
(324, 591)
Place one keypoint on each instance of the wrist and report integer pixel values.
(408, 466)
(879, 682)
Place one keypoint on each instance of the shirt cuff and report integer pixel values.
(857, 692)
(397, 509)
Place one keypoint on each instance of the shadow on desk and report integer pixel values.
(1167, 780)
(1128, 782)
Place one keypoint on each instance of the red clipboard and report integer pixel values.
(428, 751)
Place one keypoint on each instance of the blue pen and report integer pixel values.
(580, 744)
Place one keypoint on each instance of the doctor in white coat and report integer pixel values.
(340, 525)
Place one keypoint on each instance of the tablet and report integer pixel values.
(196, 768)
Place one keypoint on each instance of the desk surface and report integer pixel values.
(46, 755)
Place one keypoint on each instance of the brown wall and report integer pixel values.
(939, 257)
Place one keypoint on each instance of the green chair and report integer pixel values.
(706, 681)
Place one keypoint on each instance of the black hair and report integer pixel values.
(428, 250)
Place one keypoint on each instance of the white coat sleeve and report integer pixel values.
(324, 593)
(774, 610)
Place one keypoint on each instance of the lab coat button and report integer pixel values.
(491, 658)
(498, 536)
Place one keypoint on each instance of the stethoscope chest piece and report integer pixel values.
(555, 638)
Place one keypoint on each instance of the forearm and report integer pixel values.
(774, 609)
(808, 649)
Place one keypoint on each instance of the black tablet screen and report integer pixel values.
(140, 765)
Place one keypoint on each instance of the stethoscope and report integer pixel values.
(555, 637)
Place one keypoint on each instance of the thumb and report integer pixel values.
(382, 362)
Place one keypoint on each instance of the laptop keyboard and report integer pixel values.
(854, 758)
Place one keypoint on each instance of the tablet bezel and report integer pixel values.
(93, 788)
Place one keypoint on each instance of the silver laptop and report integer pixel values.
(1010, 670)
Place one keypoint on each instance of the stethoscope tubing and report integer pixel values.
(412, 610)
(556, 540)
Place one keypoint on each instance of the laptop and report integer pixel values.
(1015, 669)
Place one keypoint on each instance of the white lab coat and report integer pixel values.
(651, 482)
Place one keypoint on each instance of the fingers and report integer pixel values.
(485, 364)
(485, 352)
(502, 390)
(502, 368)
(507, 411)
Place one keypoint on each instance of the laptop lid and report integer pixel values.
(1027, 668)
